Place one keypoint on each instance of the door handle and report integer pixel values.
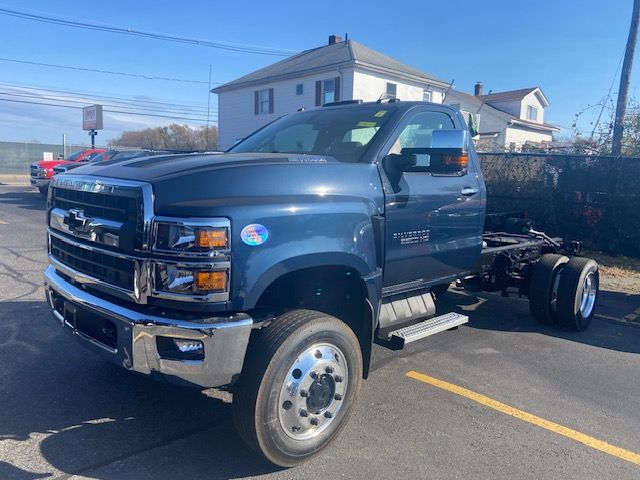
(468, 191)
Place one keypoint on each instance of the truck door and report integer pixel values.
(434, 222)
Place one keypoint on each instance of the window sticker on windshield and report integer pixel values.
(380, 113)
(367, 124)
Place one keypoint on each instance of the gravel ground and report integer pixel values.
(618, 273)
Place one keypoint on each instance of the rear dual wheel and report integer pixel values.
(564, 291)
(299, 381)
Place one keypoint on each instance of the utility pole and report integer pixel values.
(625, 76)
(206, 133)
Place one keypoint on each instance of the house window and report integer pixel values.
(532, 113)
(329, 91)
(299, 89)
(392, 90)
(263, 101)
(426, 96)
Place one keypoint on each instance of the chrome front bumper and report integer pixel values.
(40, 182)
(136, 337)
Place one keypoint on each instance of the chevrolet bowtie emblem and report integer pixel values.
(76, 220)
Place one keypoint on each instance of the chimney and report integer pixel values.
(477, 91)
(334, 39)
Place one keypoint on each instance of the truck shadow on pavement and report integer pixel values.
(24, 197)
(80, 413)
(608, 328)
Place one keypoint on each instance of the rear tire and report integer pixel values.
(440, 290)
(541, 287)
(299, 381)
(578, 293)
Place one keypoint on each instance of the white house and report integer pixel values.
(341, 70)
(506, 120)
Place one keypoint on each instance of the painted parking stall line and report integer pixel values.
(592, 442)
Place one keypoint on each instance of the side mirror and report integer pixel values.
(446, 156)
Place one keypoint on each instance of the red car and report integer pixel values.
(42, 171)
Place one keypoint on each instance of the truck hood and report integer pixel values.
(162, 168)
(208, 184)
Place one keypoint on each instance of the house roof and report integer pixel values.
(510, 95)
(344, 53)
(482, 101)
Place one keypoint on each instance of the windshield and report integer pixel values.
(342, 133)
(74, 156)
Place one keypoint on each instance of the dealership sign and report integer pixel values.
(92, 117)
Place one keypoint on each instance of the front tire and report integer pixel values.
(43, 190)
(298, 384)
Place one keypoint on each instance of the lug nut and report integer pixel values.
(318, 354)
(328, 414)
(303, 393)
(313, 375)
(303, 413)
(295, 428)
(313, 421)
(338, 378)
(329, 370)
(337, 396)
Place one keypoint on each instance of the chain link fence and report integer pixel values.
(594, 199)
(15, 157)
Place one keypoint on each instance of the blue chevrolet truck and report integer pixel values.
(270, 270)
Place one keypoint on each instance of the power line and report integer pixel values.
(109, 72)
(200, 120)
(84, 103)
(132, 101)
(140, 33)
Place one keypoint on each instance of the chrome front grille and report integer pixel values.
(114, 217)
(102, 266)
(99, 233)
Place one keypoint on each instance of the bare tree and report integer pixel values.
(171, 137)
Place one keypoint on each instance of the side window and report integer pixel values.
(417, 133)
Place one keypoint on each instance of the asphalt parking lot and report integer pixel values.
(501, 397)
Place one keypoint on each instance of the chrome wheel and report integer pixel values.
(589, 293)
(312, 392)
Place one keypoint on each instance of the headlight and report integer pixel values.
(191, 236)
(187, 280)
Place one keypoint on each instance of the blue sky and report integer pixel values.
(570, 48)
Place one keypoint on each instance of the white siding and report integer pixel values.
(532, 99)
(518, 137)
(236, 111)
(368, 86)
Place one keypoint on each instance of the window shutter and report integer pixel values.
(337, 95)
(318, 93)
(256, 102)
(271, 100)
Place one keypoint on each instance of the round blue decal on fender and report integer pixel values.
(254, 234)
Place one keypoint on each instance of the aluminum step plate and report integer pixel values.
(428, 327)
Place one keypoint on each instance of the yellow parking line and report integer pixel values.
(2, 222)
(592, 442)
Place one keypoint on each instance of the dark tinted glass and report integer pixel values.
(342, 133)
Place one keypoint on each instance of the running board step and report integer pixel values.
(429, 327)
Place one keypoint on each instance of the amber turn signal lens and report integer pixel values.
(211, 281)
(209, 238)
(461, 161)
